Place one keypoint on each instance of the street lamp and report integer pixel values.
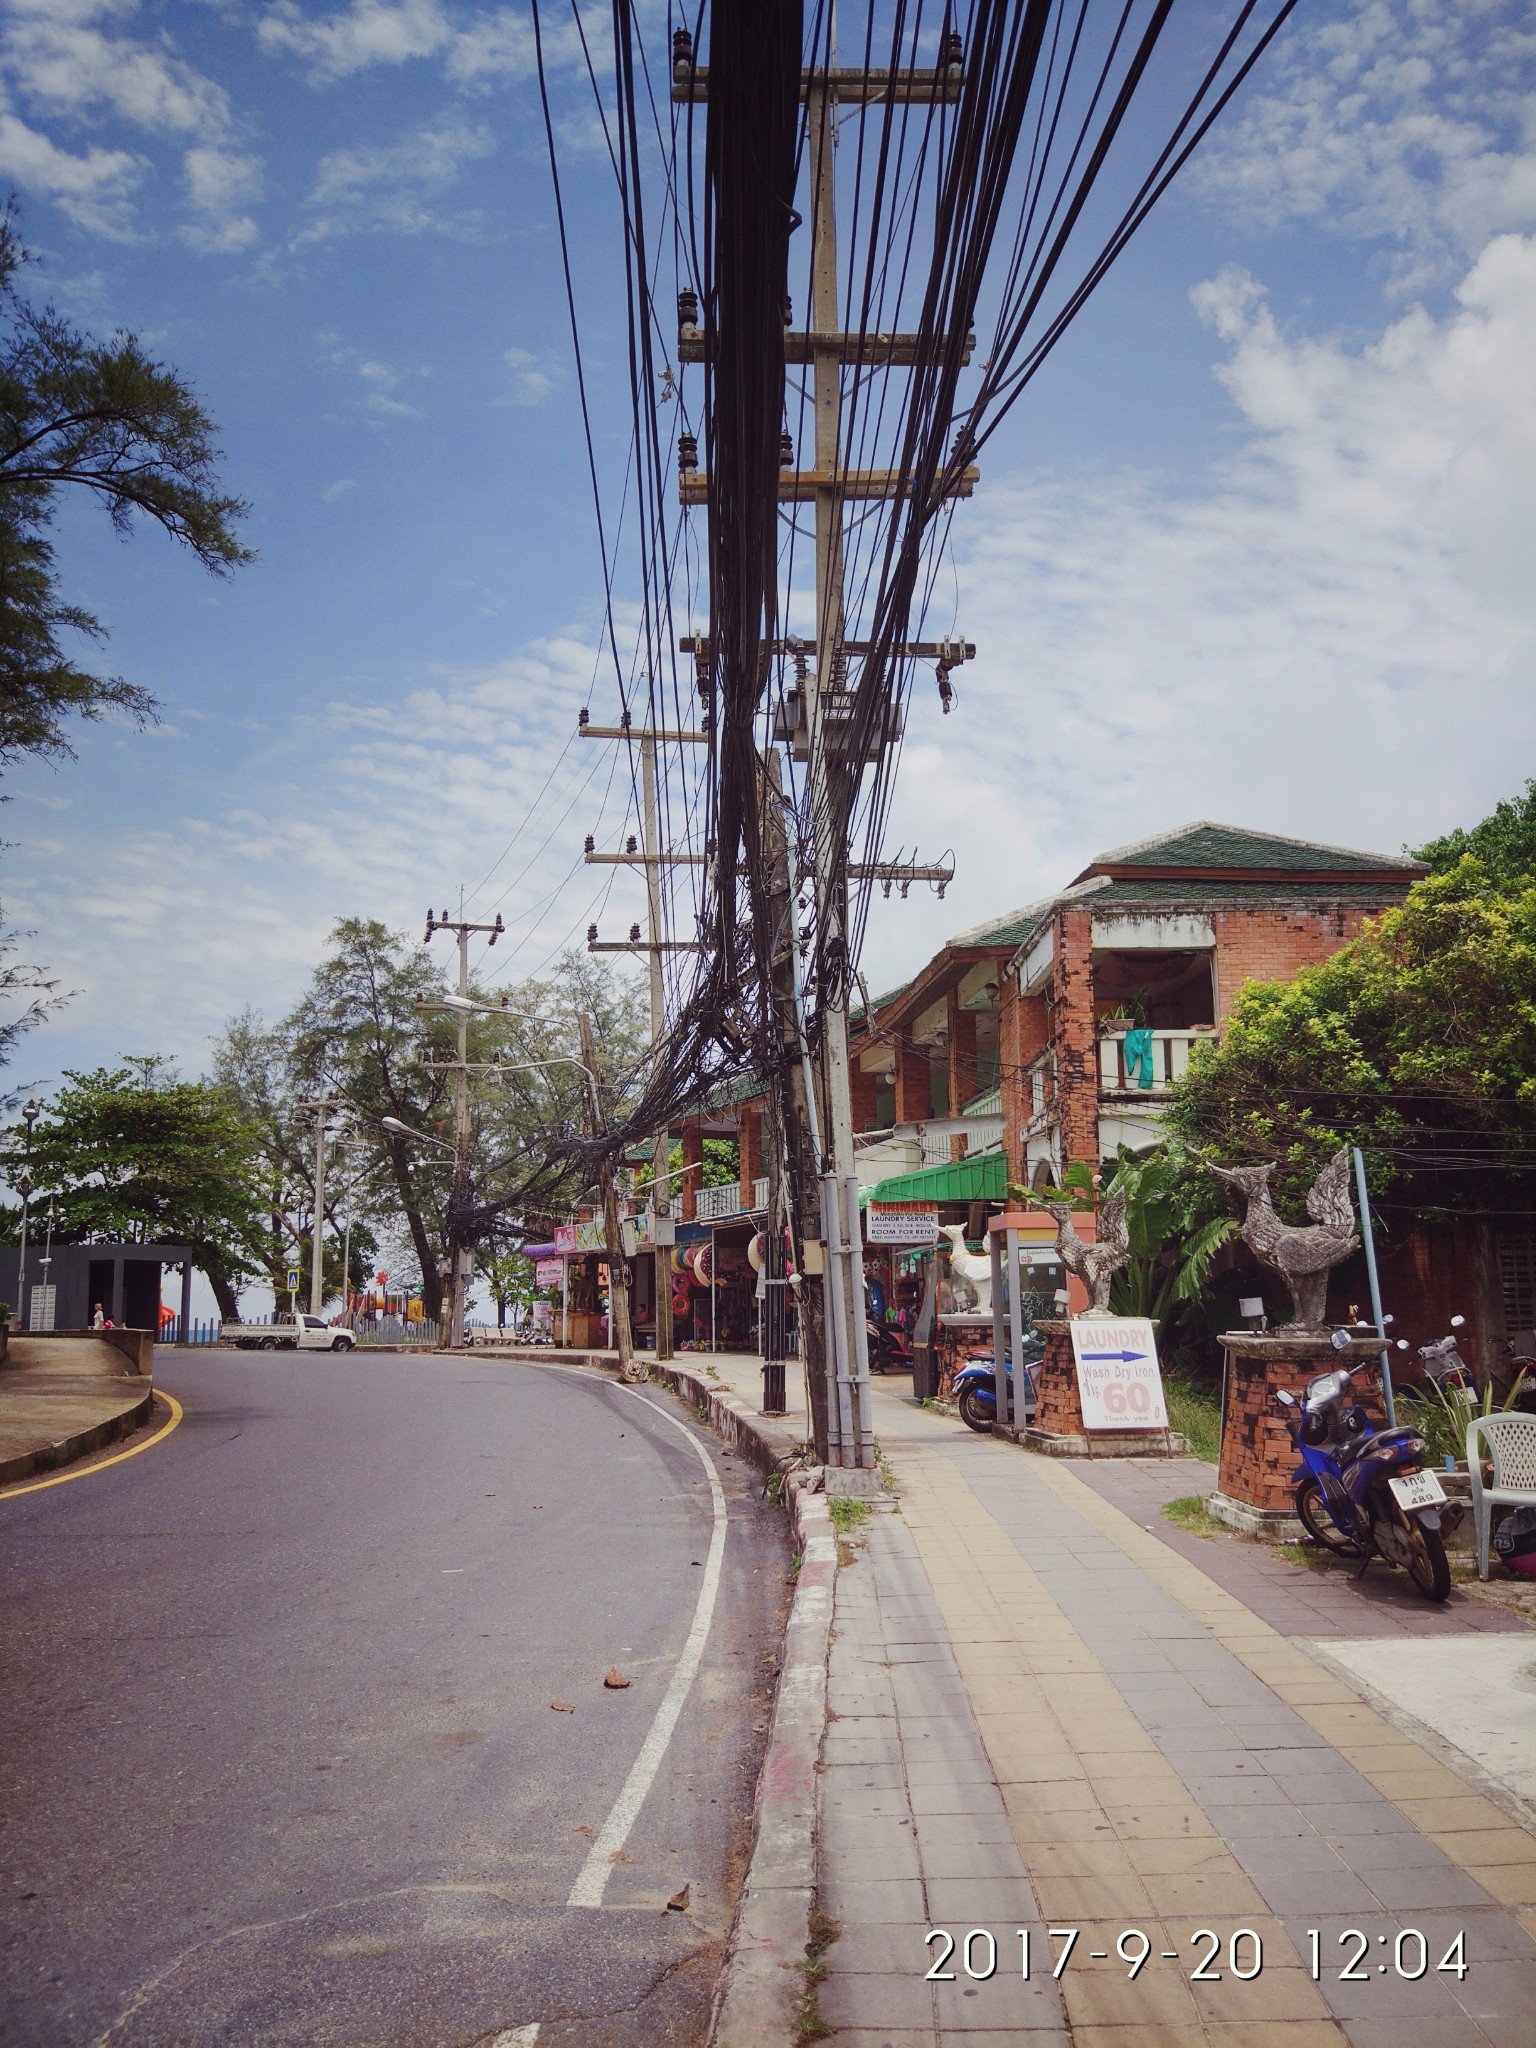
(30, 1114)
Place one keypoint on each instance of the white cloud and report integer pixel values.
(380, 400)
(1407, 120)
(208, 896)
(532, 383)
(394, 186)
(1335, 638)
(219, 183)
(338, 490)
(365, 33)
(93, 189)
(60, 61)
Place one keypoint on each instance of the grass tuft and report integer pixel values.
(847, 1515)
(1188, 1513)
(1195, 1412)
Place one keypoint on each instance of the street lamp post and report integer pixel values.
(30, 1114)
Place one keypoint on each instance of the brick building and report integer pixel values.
(1140, 958)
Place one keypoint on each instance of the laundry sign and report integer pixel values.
(1118, 1380)
(897, 1223)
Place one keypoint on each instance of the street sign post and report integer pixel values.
(1118, 1380)
(293, 1279)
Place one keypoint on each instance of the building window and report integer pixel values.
(885, 1106)
(1517, 1279)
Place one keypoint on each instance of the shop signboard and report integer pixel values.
(548, 1272)
(900, 1223)
(1118, 1380)
(571, 1238)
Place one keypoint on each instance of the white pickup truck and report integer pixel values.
(289, 1333)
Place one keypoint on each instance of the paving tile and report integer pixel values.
(857, 1902)
(903, 2000)
(890, 1948)
(1316, 1891)
(964, 1902)
(928, 1799)
(1440, 2031)
(973, 1859)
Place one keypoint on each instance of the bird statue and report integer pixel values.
(975, 1271)
(1301, 1255)
(1094, 1264)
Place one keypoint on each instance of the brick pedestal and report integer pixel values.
(1254, 1476)
(1058, 1427)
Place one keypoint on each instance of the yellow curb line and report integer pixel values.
(88, 1471)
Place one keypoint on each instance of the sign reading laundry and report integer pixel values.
(893, 1223)
(1118, 1380)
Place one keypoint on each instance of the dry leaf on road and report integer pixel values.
(678, 1903)
(615, 1681)
(561, 1707)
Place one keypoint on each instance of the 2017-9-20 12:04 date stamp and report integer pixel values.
(1406, 1955)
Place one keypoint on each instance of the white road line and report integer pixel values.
(595, 1872)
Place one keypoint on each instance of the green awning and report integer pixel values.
(983, 1178)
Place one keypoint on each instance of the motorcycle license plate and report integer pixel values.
(1417, 1490)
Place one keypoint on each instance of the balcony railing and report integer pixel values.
(1170, 1061)
(715, 1203)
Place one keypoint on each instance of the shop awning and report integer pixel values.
(541, 1251)
(983, 1178)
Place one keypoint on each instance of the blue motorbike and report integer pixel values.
(975, 1388)
(1363, 1492)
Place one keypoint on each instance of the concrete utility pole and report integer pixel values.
(618, 1265)
(844, 1433)
(321, 1109)
(460, 1255)
(653, 860)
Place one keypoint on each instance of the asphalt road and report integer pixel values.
(281, 1764)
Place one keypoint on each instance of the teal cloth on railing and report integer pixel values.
(1138, 1058)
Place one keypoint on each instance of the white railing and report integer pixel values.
(935, 1150)
(1170, 1061)
(715, 1203)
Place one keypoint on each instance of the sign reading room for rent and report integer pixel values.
(1118, 1380)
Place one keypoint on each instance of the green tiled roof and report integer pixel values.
(983, 1178)
(1206, 844)
(1200, 895)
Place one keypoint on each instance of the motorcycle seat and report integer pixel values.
(1383, 1440)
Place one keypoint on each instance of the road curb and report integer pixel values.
(760, 1991)
(65, 1450)
(762, 1982)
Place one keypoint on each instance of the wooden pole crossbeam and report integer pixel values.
(953, 651)
(894, 351)
(805, 486)
(635, 732)
(899, 88)
(644, 946)
(641, 860)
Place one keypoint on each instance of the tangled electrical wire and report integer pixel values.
(988, 192)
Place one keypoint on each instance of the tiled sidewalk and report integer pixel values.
(1048, 1716)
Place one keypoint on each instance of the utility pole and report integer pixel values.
(321, 1109)
(817, 733)
(653, 860)
(460, 1254)
(618, 1265)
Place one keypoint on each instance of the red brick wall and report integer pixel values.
(750, 1141)
(962, 1055)
(1257, 1459)
(1077, 1059)
(914, 1104)
(863, 1091)
(693, 1155)
(1274, 945)
(1058, 1410)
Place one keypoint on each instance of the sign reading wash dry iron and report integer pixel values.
(1118, 1381)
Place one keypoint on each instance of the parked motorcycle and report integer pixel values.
(890, 1349)
(1363, 1492)
(975, 1388)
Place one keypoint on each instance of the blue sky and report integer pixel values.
(1256, 546)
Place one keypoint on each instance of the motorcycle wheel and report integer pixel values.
(973, 1414)
(1312, 1513)
(1428, 1566)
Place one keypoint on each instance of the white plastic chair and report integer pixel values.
(1511, 1444)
